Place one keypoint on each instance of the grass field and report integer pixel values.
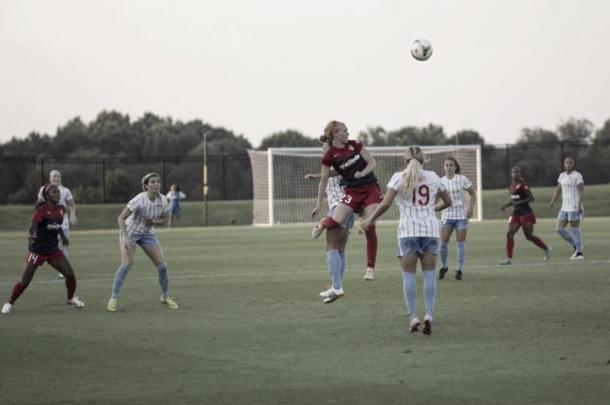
(251, 328)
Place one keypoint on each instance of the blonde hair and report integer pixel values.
(414, 160)
(329, 132)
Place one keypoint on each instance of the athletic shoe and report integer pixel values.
(547, 253)
(76, 302)
(414, 324)
(506, 262)
(369, 274)
(577, 256)
(427, 324)
(169, 302)
(333, 295)
(317, 231)
(458, 274)
(111, 305)
(326, 293)
(442, 272)
(6, 308)
(60, 276)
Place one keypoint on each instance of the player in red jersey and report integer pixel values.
(522, 216)
(44, 247)
(361, 191)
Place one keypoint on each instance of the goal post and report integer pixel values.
(281, 195)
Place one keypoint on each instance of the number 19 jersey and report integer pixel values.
(417, 216)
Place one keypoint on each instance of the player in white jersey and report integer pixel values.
(137, 221)
(415, 191)
(572, 187)
(455, 217)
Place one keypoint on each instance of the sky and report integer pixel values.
(258, 67)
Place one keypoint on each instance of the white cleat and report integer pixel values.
(414, 324)
(76, 302)
(506, 262)
(333, 295)
(369, 274)
(577, 256)
(6, 308)
(427, 324)
(317, 231)
(547, 253)
(326, 293)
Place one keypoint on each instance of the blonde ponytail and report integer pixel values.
(414, 158)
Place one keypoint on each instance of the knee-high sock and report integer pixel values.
(577, 239)
(333, 259)
(510, 245)
(18, 289)
(538, 242)
(119, 279)
(70, 286)
(563, 232)
(461, 255)
(343, 262)
(429, 290)
(409, 288)
(444, 253)
(163, 279)
(371, 246)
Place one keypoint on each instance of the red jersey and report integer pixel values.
(48, 219)
(519, 191)
(347, 161)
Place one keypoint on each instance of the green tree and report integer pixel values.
(373, 136)
(429, 135)
(602, 136)
(466, 137)
(289, 138)
(575, 130)
(537, 135)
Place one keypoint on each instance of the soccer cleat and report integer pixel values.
(333, 295)
(6, 308)
(111, 305)
(169, 302)
(427, 324)
(442, 272)
(317, 231)
(76, 302)
(577, 256)
(414, 324)
(458, 274)
(325, 293)
(547, 253)
(369, 274)
(506, 262)
(60, 276)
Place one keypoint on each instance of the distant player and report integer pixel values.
(416, 191)
(455, 217)
(175, 196)
(572, 188)
(136, 223)
(522, 216)
(43, 235)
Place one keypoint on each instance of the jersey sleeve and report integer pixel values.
(579, 179)
(395, 182)
(356, 145)
(40, 197)
(164, 203)
(467, 183)
(69, 196)
(135, 204)
(38, 215)
(435, 180)
(327, 159)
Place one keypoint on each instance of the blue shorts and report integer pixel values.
(417, 246)
(570, 216)
(142, 239)
(349, 221)
(459, 224)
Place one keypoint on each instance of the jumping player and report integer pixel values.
(43, 235)
(522, 216)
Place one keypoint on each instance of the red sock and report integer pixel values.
(330, 223)
(70, 286)
(538, 242)
(17, 291)
(371, 246)
(510, 244)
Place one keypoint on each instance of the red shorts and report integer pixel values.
(525, 221)
(359, 197)
(38, 259)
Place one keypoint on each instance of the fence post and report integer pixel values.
(103, 180)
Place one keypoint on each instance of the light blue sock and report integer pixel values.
(163, 279)
(461, 255)
(444, 253)
(119, 279)
(429, 290)
(334, 267)
(563, 232)
(577, 239)
(343, 262)
(409, 288)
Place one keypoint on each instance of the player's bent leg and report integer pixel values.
(63, 266)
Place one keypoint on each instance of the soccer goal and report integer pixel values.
(282, 196)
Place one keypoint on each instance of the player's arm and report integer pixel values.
(64, 240)
(581, 192)
(324, 174)
(313, 176)
(555, 195)
(529, 197)
(32, 231)
(121, 221)
(371, 163)
(71, 208)
(445, 202)
(383, 206)
(162, 220)
(473, 197)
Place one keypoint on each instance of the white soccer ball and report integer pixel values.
(421, 49)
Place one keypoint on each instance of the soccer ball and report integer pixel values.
(421, 49)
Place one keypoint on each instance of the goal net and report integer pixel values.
(282, 196)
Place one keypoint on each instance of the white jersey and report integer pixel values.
(334, 192)
(143, 211)
(456, 187)
(417, 217)
(65, 196)
(569, 190)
